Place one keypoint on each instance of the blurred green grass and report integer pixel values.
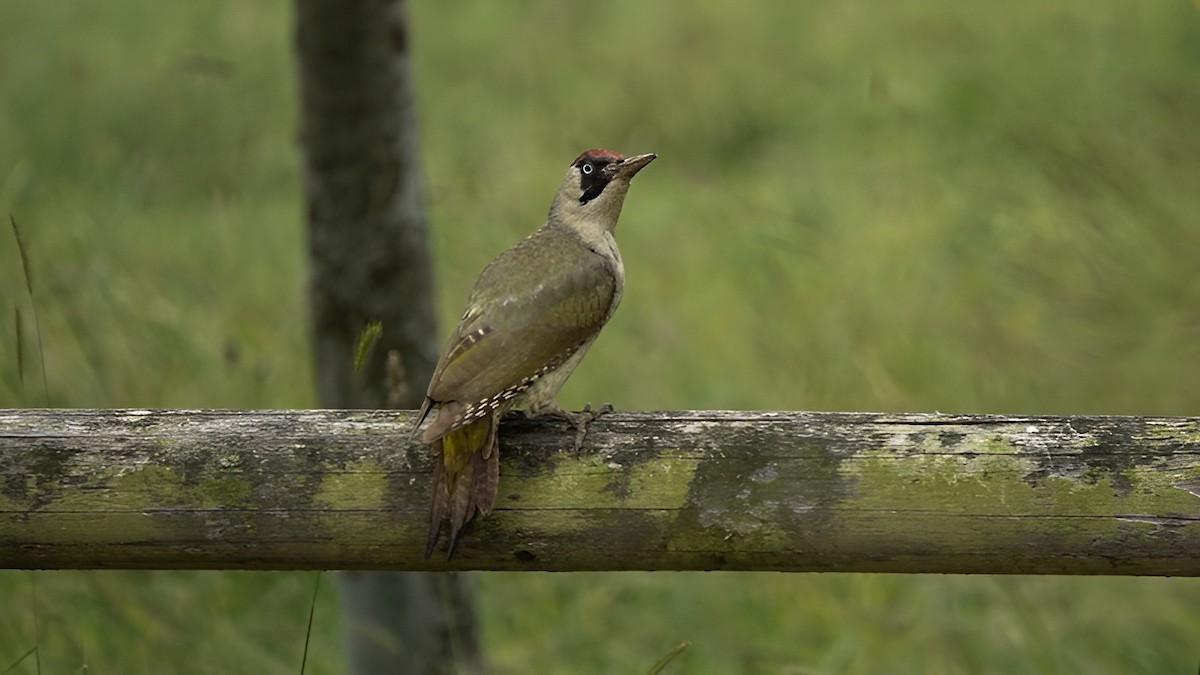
(910, 206)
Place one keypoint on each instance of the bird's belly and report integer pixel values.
(539, 397)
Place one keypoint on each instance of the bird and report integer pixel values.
(530, 317)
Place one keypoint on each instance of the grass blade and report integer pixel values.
(37, 325)
(32, 650)
(662, 663)
(37, 640)
(312, 610)
(366, 343)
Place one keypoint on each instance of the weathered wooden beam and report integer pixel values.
(318, 489)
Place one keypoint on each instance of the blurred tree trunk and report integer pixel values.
(369, 261)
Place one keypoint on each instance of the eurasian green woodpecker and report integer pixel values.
(530, 318)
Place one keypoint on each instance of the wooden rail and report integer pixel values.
(790, 491)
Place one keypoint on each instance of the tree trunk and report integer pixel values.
(369, 257)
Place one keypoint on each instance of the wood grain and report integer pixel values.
(691, 490)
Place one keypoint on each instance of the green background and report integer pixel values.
(913, 205)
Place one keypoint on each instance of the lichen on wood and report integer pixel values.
(787, 491)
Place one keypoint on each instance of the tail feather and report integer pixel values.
(462, 505)
(465, 479)
(439, 500)
(487, 473)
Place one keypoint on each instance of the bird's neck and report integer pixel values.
(594, 233)
(595, 217)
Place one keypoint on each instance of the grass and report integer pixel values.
(911, 206)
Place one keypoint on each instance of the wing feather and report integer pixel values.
(511, 330)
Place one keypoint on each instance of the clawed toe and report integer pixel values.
(585, 417)
(599, 412)
(580, 420)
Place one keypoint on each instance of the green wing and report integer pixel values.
(526, 311)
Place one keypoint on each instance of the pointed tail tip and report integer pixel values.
(452, 543)
(432, 541)
(431, 544)
(451, 539)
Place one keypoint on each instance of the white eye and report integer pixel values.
(587, 168)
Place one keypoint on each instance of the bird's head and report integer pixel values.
(594, 188)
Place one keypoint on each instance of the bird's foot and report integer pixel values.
(580, 420)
